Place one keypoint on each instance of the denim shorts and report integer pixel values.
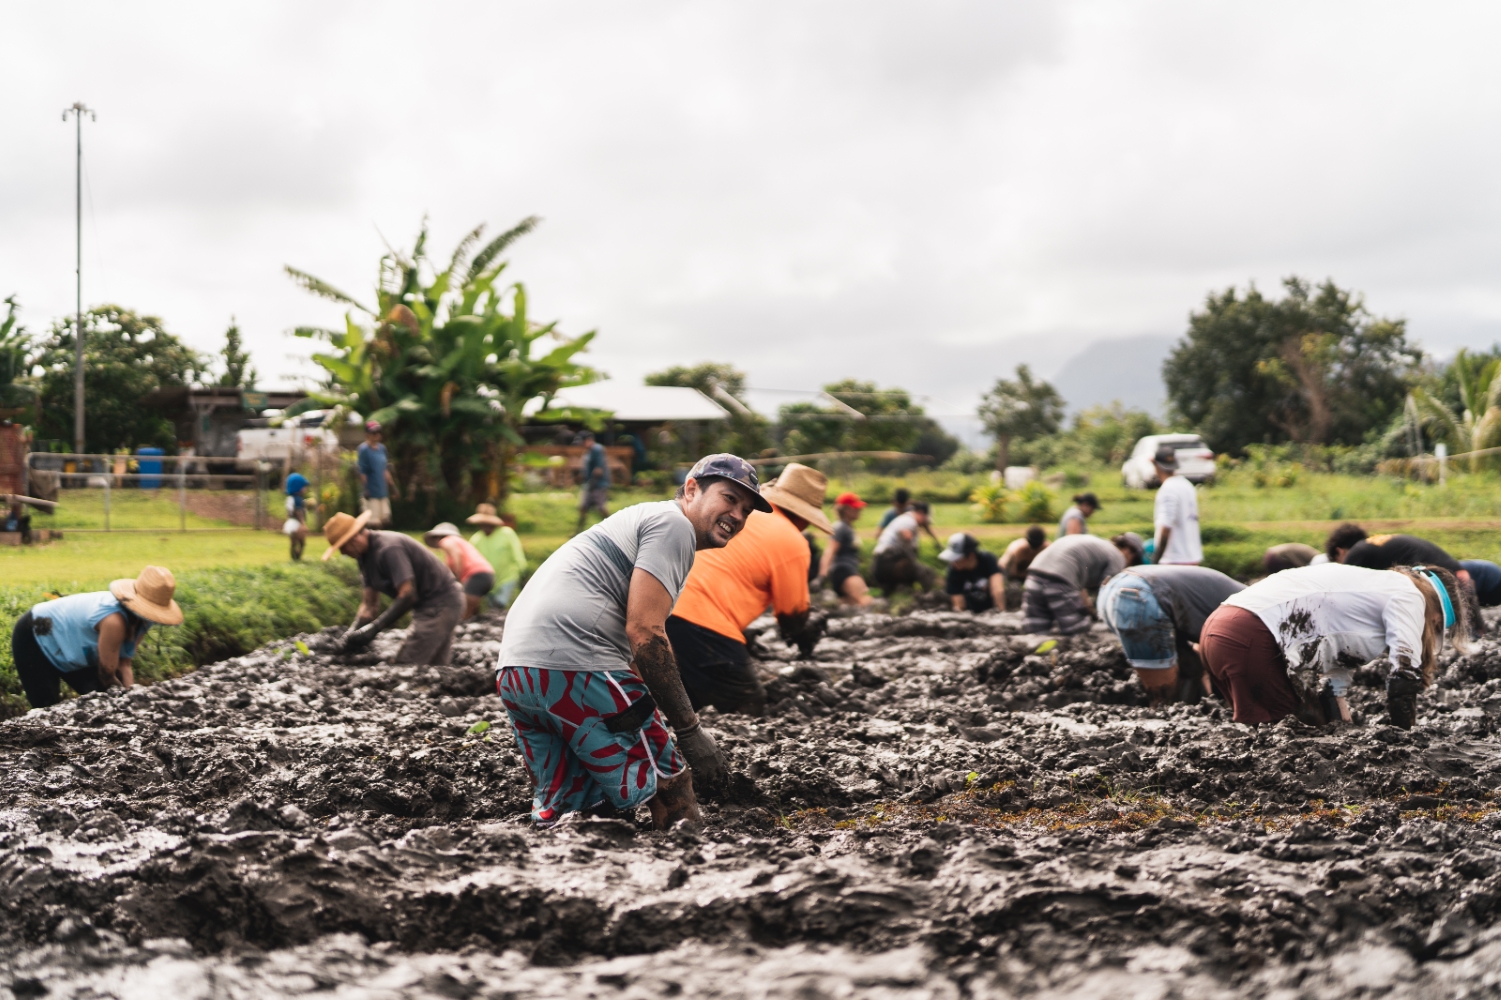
(1129, 607)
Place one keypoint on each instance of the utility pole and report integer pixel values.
(78, 110)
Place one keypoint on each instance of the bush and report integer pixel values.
(990, 502)
(227, 612)
(1036, 502)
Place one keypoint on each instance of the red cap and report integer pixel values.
(848, 500)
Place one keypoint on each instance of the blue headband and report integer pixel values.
(1443, 596)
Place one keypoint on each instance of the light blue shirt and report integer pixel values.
(71, 641)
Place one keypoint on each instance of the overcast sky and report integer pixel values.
(923, 194)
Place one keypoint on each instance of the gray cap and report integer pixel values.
(1167, 456)
(444, 530)
(734, 468)
(960, 545)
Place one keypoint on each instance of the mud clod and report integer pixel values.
(930, 808)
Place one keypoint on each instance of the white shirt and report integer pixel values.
(1334, 617)
(891, 537)
(1177, 507)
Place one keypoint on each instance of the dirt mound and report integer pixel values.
(935, 806)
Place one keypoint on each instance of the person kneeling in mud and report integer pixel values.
(1290, 644)
(90, 640)
(1061, 577)
(585, 664)
(766, 565)
(401, 568)
(1158, 613)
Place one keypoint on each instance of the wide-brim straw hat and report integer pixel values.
(340, 529)
(800, 490)
(150, 595)
(484, 514)
(445, 530)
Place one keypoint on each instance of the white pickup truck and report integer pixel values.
(305, 432)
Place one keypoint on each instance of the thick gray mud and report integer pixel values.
(933, 809)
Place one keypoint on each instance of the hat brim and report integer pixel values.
(797, 505)
(949, 555)
(430, 538)
(337, 546)
(483, 519)
(124, 591)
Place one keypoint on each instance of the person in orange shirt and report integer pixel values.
(765, 566)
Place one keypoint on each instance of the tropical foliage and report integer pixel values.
(238, 373)
(449, 362)
(15, 361)
(746, 431)
(1476, 424)
(126, 356)
(1020, 410)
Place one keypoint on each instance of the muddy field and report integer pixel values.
(934, 809)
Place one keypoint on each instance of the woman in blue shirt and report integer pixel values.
(89, 640)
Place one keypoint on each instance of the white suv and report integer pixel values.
(1195, 460)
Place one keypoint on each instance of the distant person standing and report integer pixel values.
(841, 560)
(1175, 515)
(376, 481)
(295, 525)
(596, 488)
(1075, 520)
(498, 542)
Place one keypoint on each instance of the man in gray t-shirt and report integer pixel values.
(1060, 578)
(585, 663)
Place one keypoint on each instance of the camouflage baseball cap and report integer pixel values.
(734, 468)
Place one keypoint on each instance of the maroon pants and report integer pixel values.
(1246, 663)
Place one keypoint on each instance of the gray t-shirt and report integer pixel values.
(846, 548)
(571, 614)
(1073, 514)
(393, 558)
(1189, 594)
(1084, 561)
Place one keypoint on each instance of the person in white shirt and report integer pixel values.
(1175, 515)
(1289, 644)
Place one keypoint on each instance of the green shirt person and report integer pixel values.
(498, 542)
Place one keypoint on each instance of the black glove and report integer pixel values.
(1402, 689)
(702, 754)
(803, 630)
(359, 638)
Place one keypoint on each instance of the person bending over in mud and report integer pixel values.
(1289, 644)
(401, 568)
(1158, 613)
(1061, 577)
(765, 566)
(1349, 544)
(841, 560)
(586, 672)
(89, 640)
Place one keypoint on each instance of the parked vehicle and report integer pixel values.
(307, 431)
(1195, 460)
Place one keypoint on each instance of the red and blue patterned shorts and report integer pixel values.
(558, 717)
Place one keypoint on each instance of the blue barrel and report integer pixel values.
(151, 468)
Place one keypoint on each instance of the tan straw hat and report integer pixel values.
(445, 530)
(340, 529)
(484, 514)
(150, 595)
(800, 490)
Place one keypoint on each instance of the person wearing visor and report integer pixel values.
(974, 581)
(295, 526)
(586, 671)
(89, 640)
(1158, 614)
(1289, 644)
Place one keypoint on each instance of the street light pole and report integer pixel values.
(78, 110)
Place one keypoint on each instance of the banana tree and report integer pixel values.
(448, 362)
(1477, 425)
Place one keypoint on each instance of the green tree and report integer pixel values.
(1475, 423)
(126, 355)
(449, 363)
(16, 347)
(237, 371)
(862, 418)
(1018, 410)
(1313, 367)
(746, 431)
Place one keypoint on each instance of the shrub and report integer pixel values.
(990, 502)
(1036, 502)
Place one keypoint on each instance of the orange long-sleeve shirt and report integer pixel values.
(766, 565)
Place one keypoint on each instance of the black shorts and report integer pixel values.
(479, 584)
(716, 670)
(39, 677)
(838, 574)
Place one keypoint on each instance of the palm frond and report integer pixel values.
(497, 246)
(323, 289)
(461, 252)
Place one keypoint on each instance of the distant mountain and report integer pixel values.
(1128, 369)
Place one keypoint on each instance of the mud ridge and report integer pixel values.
(935, 806)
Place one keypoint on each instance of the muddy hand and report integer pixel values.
(1402, 689)
(703, 756)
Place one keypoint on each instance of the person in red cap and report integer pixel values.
(841, 561)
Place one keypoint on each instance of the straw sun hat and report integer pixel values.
(150, 595)
(340, 529)
(484, 514)
(445, 530)
(800, 490)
